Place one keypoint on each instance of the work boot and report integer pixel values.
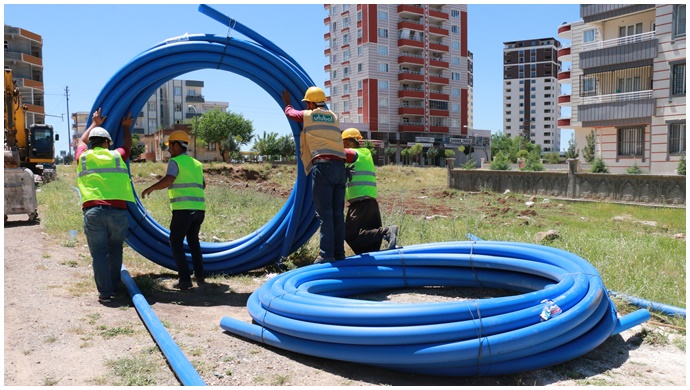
(391, 236)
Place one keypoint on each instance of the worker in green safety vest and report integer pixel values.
(185, 182)
(105, 188)
(363, 231)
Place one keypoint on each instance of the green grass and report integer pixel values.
(632, 255)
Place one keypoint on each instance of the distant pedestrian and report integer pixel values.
(185, 182)
(105, 187)
(323, 156)
(363, 230)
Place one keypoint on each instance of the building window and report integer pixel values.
(455, 75)
(678, 20)
(383, 85)
(334, 74)
(346, 88)
(383, 33)
(178, 107)
(346, 55)
(359, 82)
(454, 13)
(334, 58)
(334, 90)
(346, 71)
(152, 124)
(384, 119)
(346, 106)
(631, 141)
(359, 50)
(455, 29)
(177, 91)
(676, 138)
(383, 67)
(346, 39)
(383, 50)
(383, 102)
(334, 26)
(455, 45)
(455, 107)
(346, 22)
(455, 91)
(455, 60)
(383, 15)
(359, 16)
(455, 123)
(359, 102)
(334, 43)
(152, 106)
(359, 70)
(589, 86)
(359, 33)
(678, 79)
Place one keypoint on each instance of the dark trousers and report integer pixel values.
(187, 223)
(363, 231)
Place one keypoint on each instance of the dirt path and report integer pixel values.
(56, 333)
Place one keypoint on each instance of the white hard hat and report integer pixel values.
(100, 132)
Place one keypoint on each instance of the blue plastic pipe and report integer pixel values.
(259, 61)
(312, 310)
(183, 369)
(647, 304)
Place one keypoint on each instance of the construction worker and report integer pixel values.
(105, 187)
(185, 182)
(363, 231)
(322, 154)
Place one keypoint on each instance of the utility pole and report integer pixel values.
(69, 138)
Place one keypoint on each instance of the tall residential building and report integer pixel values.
(24, 55)
(174, 103)
(531, 90)
(400, 73)
(628, 84)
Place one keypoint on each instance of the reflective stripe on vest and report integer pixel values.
(363, 184)
(187, 190)
(103, 175)
(320, 136)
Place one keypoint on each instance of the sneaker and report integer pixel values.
(183, 285)
(391, 236)
(105, 299)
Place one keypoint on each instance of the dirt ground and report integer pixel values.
(56, 333)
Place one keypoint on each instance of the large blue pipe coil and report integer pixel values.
(259, 61)
(310, 310)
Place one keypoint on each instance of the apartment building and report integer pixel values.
(531, 90)
(24, 55)
(400, 73)
(174, 103)
(628, 84)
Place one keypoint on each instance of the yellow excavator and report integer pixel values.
(28, 152)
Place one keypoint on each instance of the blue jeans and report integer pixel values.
(105, 229)
(328, 192)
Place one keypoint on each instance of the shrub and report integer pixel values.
(501, 162)
(681, 166)
(470, 164)
(553, 158)
(599, 166)
(634, 170)
(522, 153)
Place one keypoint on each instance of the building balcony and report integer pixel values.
(616, 109)
(565, 32)
(410, 24)
(564, 100)
(619, 53)
(439, 80)
(564, 122)
(28, 83)
(411, 93)
(440, 31)
(412, 43)
(442, 113)
(564, 55)
(564, 77)
(409, 76)
(438, 129)
(412, 127)
(410, 9)
(439, 96)
(438, 46)
(438, 63)
(327, 68)
(327, 52)
(598, 12)
(412, 110)
(327, 20)
(196, 98)
(14, 57)
(327, 84)
(412, 59)
(327, 36)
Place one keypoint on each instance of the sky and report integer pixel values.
(84, 45)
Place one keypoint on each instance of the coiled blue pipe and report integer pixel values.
(270, 68)
(306, 310)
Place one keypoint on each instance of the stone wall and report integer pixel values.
(644, 189)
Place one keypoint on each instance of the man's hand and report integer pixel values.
(286, 97)
(97, 118)
(127, 121)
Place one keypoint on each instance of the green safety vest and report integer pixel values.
(320, 136)
(187, 191)
(103, 175)
(363, 184)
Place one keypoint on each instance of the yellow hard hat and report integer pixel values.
(352, 133)
(314, 95)
(179, 135)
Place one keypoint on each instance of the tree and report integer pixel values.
(390, 151)
(405, 154)
(230, 131)
(267, 145)
(572, 151)
(501, 162)
(415, 151)
(431, 154)
(286, 146)
(533, 162)
(137, 147)
(681, 166)
(588, 151)
(449, 153)
(369, 145)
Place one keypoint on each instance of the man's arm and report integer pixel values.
(291, 112)
(127, 133)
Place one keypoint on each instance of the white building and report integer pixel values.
(628, 84)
